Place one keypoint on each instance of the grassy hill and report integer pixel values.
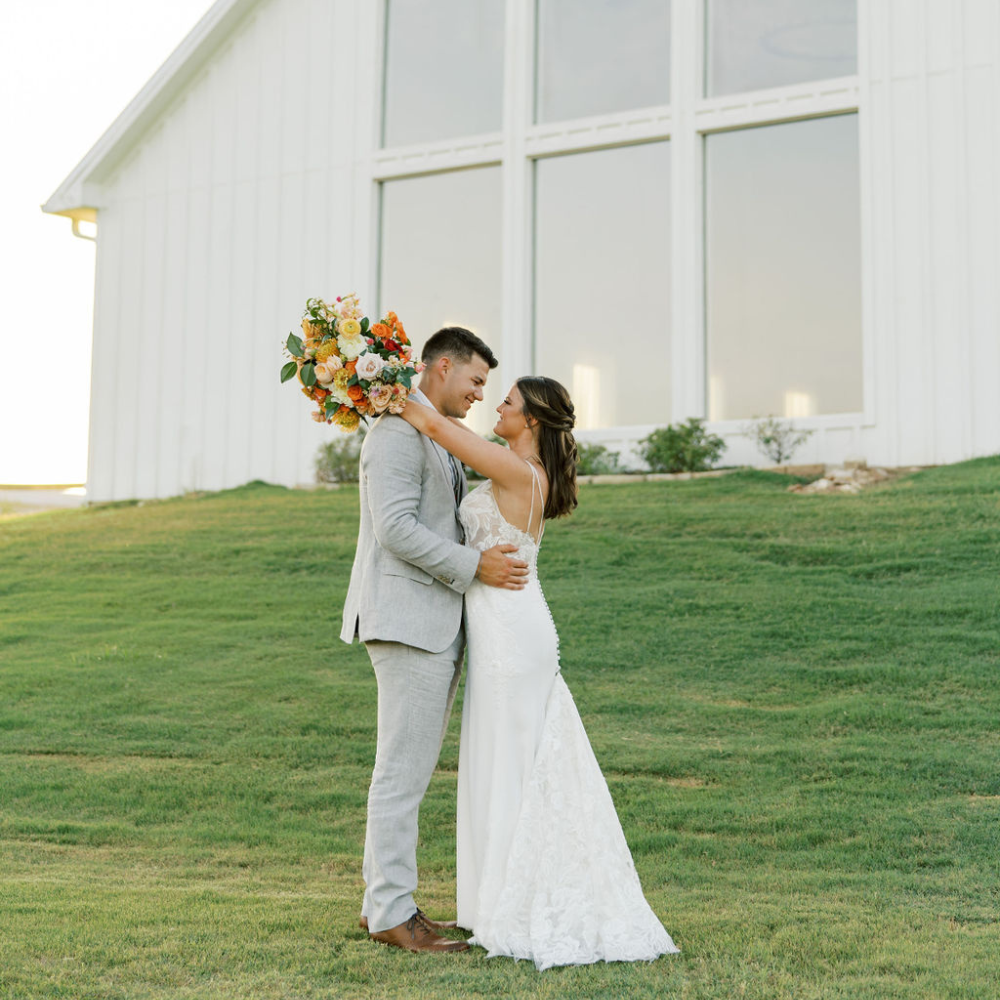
(795, 701)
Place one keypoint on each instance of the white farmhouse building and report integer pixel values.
(718, 208)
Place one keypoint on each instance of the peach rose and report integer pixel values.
(380, 396)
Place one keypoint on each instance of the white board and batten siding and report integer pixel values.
(930, 120)
(212, 234)
(254, 189)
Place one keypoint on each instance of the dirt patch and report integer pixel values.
(852, 479)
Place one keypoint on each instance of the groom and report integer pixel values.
(405, 604)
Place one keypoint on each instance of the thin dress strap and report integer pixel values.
(531, 513)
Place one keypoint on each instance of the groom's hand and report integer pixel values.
(497, 569)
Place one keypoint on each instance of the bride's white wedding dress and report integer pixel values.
(543, 869)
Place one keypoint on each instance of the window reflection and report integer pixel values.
(783, 270)
(602, 234)
(755, 44)
(600, 56)
(440, 262)
(443, 69)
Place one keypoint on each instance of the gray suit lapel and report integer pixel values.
(445, 460)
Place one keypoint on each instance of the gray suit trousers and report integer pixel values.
(416, 690)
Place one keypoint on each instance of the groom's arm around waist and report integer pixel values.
(392, 464)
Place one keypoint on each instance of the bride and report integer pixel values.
(543, 869)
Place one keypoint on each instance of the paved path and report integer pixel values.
(27, 501)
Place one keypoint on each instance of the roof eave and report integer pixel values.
(79, 194)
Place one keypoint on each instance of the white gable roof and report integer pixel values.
(79, 194)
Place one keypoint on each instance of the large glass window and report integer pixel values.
(754, 44)
(602, 267)
(783, 270)
(443, 69)
(441, 261)
(600, 56)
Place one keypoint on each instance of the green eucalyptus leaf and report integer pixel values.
(308, 374)
(288, 371)
(294, 346)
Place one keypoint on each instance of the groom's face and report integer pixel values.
(464, 382)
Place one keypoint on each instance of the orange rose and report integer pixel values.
(356, 393)
(351, 365)
(397, 328)
(380, 330)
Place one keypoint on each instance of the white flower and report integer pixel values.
(351, 347)
(369, 365)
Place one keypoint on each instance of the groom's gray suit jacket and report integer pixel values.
(411, 568)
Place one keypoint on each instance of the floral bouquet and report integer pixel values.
(350, 367)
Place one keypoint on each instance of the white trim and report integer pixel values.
(78, 190)
(866, 156)
(600, 131)
(517, 225)
(437, 157)
(367, 201)
(687, 278)
(781, 104)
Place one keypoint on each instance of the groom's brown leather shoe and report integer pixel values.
(416, 934)
(438, 925)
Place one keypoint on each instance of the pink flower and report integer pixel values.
(380, 396)
(399, 394)
(369, 365)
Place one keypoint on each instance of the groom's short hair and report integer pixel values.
(457, 343)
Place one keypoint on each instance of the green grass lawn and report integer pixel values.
(795, 700)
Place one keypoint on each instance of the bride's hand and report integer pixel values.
(416, 414)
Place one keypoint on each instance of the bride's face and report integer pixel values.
(511, 411)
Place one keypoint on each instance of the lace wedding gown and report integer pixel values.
(543, 869)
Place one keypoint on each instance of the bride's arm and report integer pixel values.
(493, 461)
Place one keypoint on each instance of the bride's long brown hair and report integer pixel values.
(548, 403)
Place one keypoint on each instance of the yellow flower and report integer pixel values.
(341, 378)
(347, 420)
(325, 350)
(349, 327)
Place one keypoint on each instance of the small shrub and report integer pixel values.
(774, 438)
(684, 448)
(597, 460)
(338, 460)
